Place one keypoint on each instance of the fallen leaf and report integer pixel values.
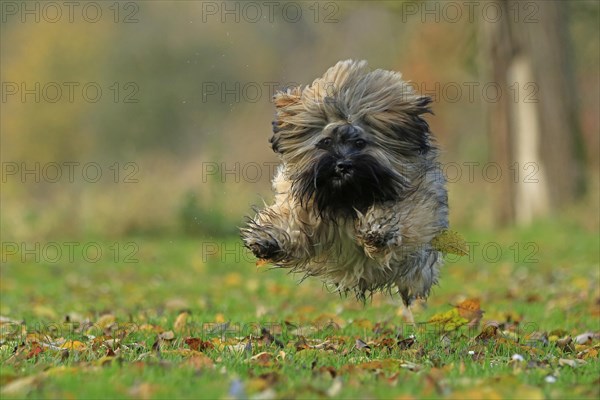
(325, 345)
(449, 320)
(150, 328)
(198, 344)
(263, 359)
(168, 335)
(267, 338)
(450, 242)
(574, 363)
(281, 355)
(327, 371)
(490, 331)
(470, 309)
(180, 322)
(566, 344)
(200, 361)
(585, 338)
(104, 361)
(73, 345)
(36, 349)
(360, 345)
(105, 321)
(537, 338)
(588, 353)
(238, 348)
(411, 366)
(111, 344)
(304, 330)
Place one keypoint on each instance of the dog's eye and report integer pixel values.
(360, 144)
(325, 142)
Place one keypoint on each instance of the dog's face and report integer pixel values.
(344, 173)
(351, 139)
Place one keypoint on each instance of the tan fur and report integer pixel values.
(348, 253)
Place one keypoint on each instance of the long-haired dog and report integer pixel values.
(359, 195)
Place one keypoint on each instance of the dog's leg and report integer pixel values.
(378, 231)
(406, 303)
(275, 235)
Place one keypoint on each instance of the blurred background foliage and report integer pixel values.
(190, 153)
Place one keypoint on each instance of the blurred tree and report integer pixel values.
(535, 135)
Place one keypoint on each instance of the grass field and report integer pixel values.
(195, 318)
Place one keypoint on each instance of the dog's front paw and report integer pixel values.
(263, 242)
(377, 232)
(380, 239)
(377, 240)
(267, 249)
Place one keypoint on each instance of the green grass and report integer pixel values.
(546, 286)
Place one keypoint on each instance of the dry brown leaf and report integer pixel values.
(263, 359)
(406, 343)
(490, 331)
(150, 328)
(200, 361)
(198, 344)
(384, 364)
(180, 322)
(470, 309)
(588, 353)
(35, 350)
(566, 344)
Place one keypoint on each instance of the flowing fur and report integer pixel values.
(359, 195)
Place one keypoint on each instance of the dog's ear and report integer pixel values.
(422, 105)
(285, 103)
(404, 119)
(416, 131)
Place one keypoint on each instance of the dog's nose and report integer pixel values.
(343, 167)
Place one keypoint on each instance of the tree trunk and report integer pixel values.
(535, 136)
